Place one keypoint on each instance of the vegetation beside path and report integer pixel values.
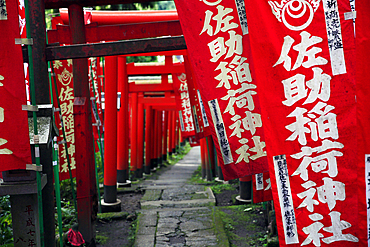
(244, 225)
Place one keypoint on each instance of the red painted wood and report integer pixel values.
(160, 133)
(173, 137)
(140, 135)
(165, 133)
(158, 100)
(123, 116)
(133, 136)
(170, 130)
(203, 153)
(155, 136)
(148, 134)
(85, 171)
(95, 33)
(125, 17)
(136, 88)
(157, 69)
(110, 136)
(177, 134)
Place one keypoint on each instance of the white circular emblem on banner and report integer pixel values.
(301, 10)
(288, 11)
(210, 3)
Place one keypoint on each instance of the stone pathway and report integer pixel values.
(175, 213)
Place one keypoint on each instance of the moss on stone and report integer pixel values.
(113, 216)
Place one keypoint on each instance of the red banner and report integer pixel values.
(363, 117)
(23, 33)
(95, 95)
(64, 78)
(201, 123)
(183, 107)
(218, 47)
(262, 187)
(15, 150)
(304, 58)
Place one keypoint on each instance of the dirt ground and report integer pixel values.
(116, 232)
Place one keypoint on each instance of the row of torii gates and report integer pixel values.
(113, 37)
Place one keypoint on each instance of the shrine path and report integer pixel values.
(176, 213)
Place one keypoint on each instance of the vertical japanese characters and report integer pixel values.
(307, 77)
(221, 62)
(233, 74)
(64, 77)
(314, 118)
(183, 99)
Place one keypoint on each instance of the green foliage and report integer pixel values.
(218, 188)
(99, 164)
(166, 5)
(68, 216)
(163, 5)
(234, 217)
(6, 230)
(100, 239)
(141, 59)
(133, 231)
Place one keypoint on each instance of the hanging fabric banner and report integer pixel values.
(23, 34)
(183, 107)
(95, 96)
(363, 116)
(64, 78)
(198, 108)
(304, 63)
(15, 152)
(261, 187)
(216, 36)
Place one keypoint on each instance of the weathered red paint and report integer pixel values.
(85, 172)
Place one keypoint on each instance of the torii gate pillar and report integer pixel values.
(85, 171)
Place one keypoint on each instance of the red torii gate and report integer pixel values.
(98, 33)
(86, 189)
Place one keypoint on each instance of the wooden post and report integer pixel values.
(159, 137)
(148, 134)
(165, 136)
(110, 148)
(170, 131)
(85, 172)
(140, 138)
(203, 157)
(133, 137)
(123, 123)
(155, 140)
